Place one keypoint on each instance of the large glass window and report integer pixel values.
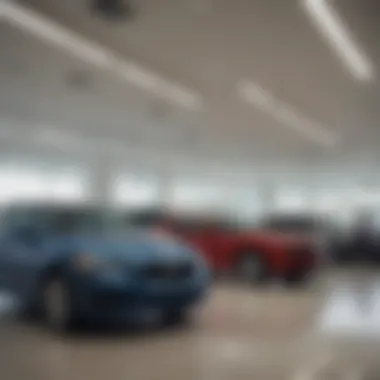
(27, 183)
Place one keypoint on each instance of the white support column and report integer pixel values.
(102, 179)
(165, 189)
(267, 195)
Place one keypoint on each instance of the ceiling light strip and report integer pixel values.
(94, 54)
(332, 28)
(286, 114)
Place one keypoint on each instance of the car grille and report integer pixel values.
(172, 271)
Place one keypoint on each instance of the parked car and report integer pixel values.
(359, 243)
(70, 263)
(254, 255)
(319, 230)
(355, 243)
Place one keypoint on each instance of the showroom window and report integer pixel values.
(27, 183)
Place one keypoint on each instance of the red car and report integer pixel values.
(253, 255)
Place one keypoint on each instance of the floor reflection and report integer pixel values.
(352, 307)
(242, 333)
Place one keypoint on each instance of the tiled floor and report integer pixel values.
(330, 331)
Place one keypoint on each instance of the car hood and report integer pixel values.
(134, 248)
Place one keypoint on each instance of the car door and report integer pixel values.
(215, 240)
(204, 238)
(22, 256)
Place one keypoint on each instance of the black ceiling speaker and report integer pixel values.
(78, 79)
(114, 9)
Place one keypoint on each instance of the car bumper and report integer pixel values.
(132, 301)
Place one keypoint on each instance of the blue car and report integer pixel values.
(69, 263)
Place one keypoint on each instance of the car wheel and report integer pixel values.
(176, 318)
(300, 278)
(252, 268)
(295, 279)
(57, 305)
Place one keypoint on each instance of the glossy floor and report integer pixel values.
(329, 331)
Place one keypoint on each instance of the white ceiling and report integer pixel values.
(209, 48)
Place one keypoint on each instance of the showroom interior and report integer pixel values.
(245, 130)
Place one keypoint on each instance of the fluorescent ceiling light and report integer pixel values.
(57, 35)
(332, 27)
(285, 114)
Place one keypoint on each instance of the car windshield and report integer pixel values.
(183, 223)
(89, 220)
(303, 225)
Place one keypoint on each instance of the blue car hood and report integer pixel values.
(133, 247)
